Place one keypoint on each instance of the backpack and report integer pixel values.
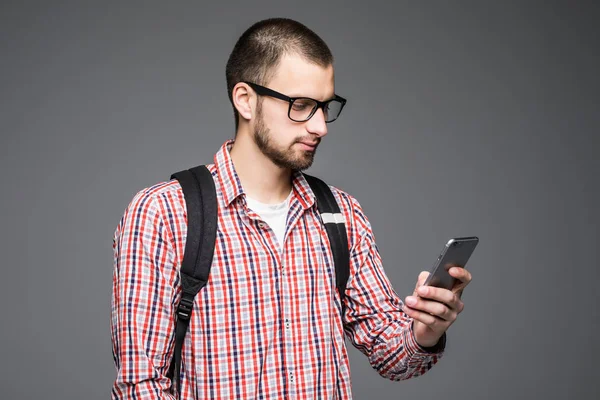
(201, 202)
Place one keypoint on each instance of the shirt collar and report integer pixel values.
(232, 186)
(302, 189)
(228, 178)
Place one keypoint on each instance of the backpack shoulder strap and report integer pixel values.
(336, 231)
(201, 204)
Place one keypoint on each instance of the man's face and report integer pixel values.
(287, 143)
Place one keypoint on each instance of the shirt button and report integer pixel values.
(261, 225)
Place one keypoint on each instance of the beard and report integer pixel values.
(289, 158)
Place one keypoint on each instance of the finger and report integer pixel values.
(447, 297)
(434, 308)
(425, 318)
(421, 278)
(441, 295)
(463, 278)
(461, 274)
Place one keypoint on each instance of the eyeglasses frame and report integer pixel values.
(265, 91)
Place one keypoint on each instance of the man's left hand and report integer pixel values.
(435, 309)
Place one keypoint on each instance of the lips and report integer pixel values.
(308, 146)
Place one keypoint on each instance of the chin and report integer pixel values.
(305, 162)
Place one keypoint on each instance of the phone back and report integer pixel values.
(456, 253)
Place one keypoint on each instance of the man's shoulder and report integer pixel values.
(161, 200)
(164, 194)
(343, 197)
(350, 207)
(166, 190)
(357, 223)
(163, 190)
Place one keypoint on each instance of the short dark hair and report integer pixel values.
(259, 49)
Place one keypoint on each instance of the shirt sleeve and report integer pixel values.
(143, 298)
(373, 317)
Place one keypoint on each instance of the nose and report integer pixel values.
(316, 125)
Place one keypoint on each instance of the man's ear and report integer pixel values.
(243, 100)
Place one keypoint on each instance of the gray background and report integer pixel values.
(464, 118)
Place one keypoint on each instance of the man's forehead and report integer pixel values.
(297, 76)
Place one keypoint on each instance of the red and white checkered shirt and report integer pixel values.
(268, 323)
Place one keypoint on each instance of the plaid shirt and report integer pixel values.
(268, 323)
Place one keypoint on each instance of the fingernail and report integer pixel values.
(423, 290)
(411, 301)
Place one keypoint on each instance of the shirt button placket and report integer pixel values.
(288, 334)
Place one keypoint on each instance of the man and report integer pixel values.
(269, 322)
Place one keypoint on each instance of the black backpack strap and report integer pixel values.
(336, 231)
(201, 204)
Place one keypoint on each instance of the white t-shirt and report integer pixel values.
(273, 214)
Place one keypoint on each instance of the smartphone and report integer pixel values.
(456, 253)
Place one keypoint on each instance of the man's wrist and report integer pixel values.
(439, 346)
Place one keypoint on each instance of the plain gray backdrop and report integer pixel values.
(463, 118)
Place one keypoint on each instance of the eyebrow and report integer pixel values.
(309, 97)
(296, 94)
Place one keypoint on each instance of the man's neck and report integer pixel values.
(261, 179)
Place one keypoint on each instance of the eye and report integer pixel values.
(303, 105)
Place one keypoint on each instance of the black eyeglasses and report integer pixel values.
(301, 109)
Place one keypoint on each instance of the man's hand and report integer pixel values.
(435, 309)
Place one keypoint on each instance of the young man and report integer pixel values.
(269, 323)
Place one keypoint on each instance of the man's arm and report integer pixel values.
(373, 318)
(143, 298)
